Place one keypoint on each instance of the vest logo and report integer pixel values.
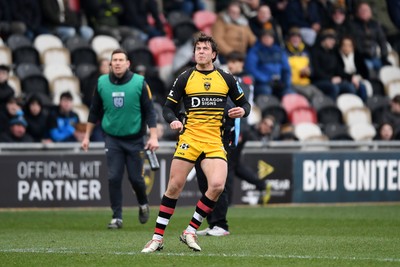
(118, 99)
(207, 86)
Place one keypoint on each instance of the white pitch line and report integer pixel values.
(194, 254)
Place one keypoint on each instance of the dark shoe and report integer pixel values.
(144, 214)
(115, 224)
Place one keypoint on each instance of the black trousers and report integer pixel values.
(120, 154)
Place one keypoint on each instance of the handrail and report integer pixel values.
(250, 145)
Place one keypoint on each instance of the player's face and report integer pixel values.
(203, 54)
(119, 64)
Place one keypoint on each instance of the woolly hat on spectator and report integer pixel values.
(294, 31)
(4, 67)
(328, 33)
(18, 120)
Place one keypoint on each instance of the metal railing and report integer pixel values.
(250, 146)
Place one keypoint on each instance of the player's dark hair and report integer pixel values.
(201, 37)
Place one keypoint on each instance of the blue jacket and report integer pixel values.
(266, 63)
(298, 18)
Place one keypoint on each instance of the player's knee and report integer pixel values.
(216, 188)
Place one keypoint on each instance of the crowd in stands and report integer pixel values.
(324, 67)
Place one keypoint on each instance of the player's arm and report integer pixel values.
(95, 114)
(172, 102)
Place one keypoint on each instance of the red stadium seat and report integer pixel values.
(303, 114)
(291, 102)
(163, 50)
(204, 19)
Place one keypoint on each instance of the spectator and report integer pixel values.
(135, 14)
(304, 14)
(186, 6)
(264, 21)
(326, 67)
(352, 66)
(29, 13)
(59, 18)
(279, 12)
(9, 26)
(62, 121)
(287, 132)
(104, 17)
(17, 132)
(235, 63)
(300, 65)
(6, 91)
(250, 8)
(369, 38)
(338, 21)
(385, 132)
(37, 118)
(11, 109)
(392, 116)
(269, 65)
(232, 32)
(325, 8)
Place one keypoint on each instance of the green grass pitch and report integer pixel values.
(276, 235)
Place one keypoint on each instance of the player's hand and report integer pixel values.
(236, 112)
(176, 125)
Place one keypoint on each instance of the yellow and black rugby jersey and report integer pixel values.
(204, 95)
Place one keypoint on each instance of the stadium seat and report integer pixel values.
(336, 132)
(5, 56)
(327, 111)
(15, 83)
(307, 131)
(51, 72)
(42, 42)
(84, 70)
(357, 115)
(270, 105)
(362, 131)
(141, 56)
(291, 102)
(182, 27)
(163, 50)
(390, 77)
(303, 114)
(55, 56)
(204, 19)
(378, 104)
(103, 44)
(82, 111)
(131, 43)
(22, 50)
(65, 83)
(347, 101)
(32, 79)
(81, 51)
